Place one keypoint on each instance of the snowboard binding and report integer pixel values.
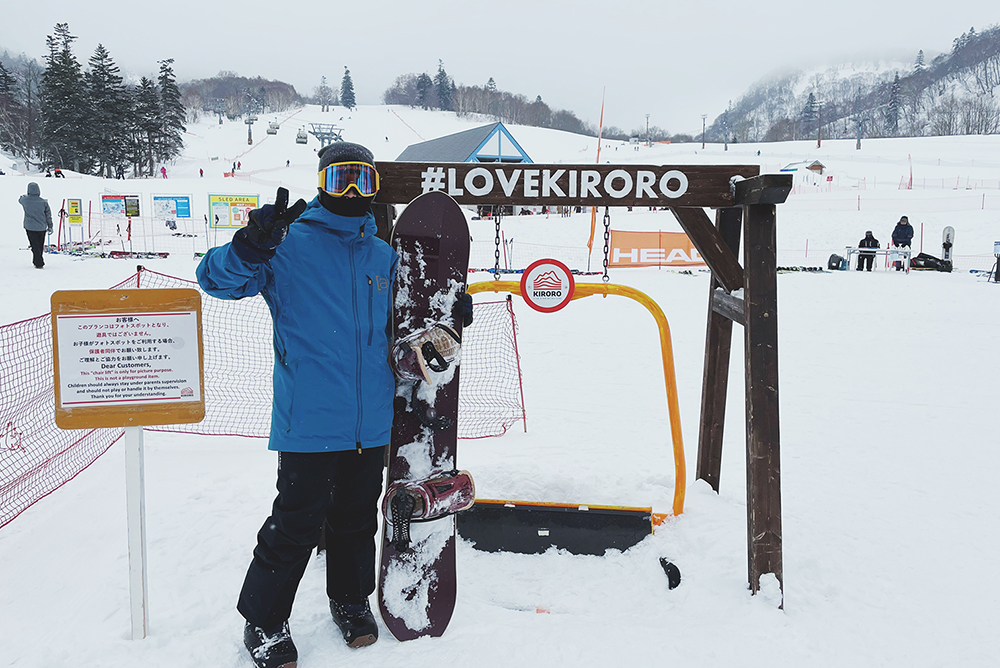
(425, 353)
(423, 500)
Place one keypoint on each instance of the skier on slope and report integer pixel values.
(327, 281)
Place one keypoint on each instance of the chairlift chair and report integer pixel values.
(301, 137)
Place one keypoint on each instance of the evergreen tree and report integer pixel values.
(919, 67)
(172, 115)
(64, 108)
(7, 81)
(810, 113)
(109, 112)
(147, 126)
(424, 87)
(892, 111)
(347, 90)
(442, 86)
(491, 85)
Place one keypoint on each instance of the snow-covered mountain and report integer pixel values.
(951, 93)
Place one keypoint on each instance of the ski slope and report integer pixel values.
(889, 453)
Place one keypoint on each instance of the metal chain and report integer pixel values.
(607, 241)
(496, 249)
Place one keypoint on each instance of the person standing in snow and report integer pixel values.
(867, 258)
(902, 235)
(37, 221)
(327, 280)
(331, 415)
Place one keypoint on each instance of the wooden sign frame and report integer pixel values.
(530, 184)
(125, 303)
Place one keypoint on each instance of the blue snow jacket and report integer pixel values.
(329, 288)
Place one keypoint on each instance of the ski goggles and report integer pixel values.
(338, 178)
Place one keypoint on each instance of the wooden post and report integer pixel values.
(761, 341)
(712, 247)
(718, 344)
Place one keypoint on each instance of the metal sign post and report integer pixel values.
(135, 500)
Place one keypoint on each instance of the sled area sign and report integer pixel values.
(547, 285)
(529, 184)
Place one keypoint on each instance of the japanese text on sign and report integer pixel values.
(134, 358)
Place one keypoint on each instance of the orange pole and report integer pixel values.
(666, 350)
(593, 209)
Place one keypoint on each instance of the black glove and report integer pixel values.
(269, 224)
(267, 228)
(463, 309)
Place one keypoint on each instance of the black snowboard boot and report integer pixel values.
(270, 648)
(356, 622)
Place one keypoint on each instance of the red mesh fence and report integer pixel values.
(236, 335)
(491, 399)
(36, 457)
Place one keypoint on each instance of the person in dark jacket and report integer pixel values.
(37, 221)
(328, 282)
(902, 235)
(867, 258)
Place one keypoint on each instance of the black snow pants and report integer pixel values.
(342, 488)
(865, 258)
(37, 242)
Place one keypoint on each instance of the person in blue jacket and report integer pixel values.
(328, 282)
(902, 235)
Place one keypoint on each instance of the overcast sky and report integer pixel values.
(672, 60)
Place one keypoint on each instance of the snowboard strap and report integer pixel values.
(432, 356)
(435, 361)
(402, 507)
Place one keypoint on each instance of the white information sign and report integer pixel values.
(128, 359)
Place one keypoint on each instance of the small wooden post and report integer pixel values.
(718, 345)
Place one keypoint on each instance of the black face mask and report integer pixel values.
(351, 207)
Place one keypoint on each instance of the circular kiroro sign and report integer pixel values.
(547, 285)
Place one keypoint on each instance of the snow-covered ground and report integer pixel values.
(889, 456)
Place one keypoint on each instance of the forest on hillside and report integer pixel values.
(953, 94)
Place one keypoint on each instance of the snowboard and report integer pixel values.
(417, 581)
(947, 241)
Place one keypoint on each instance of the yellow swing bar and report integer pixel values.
(588, 289)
